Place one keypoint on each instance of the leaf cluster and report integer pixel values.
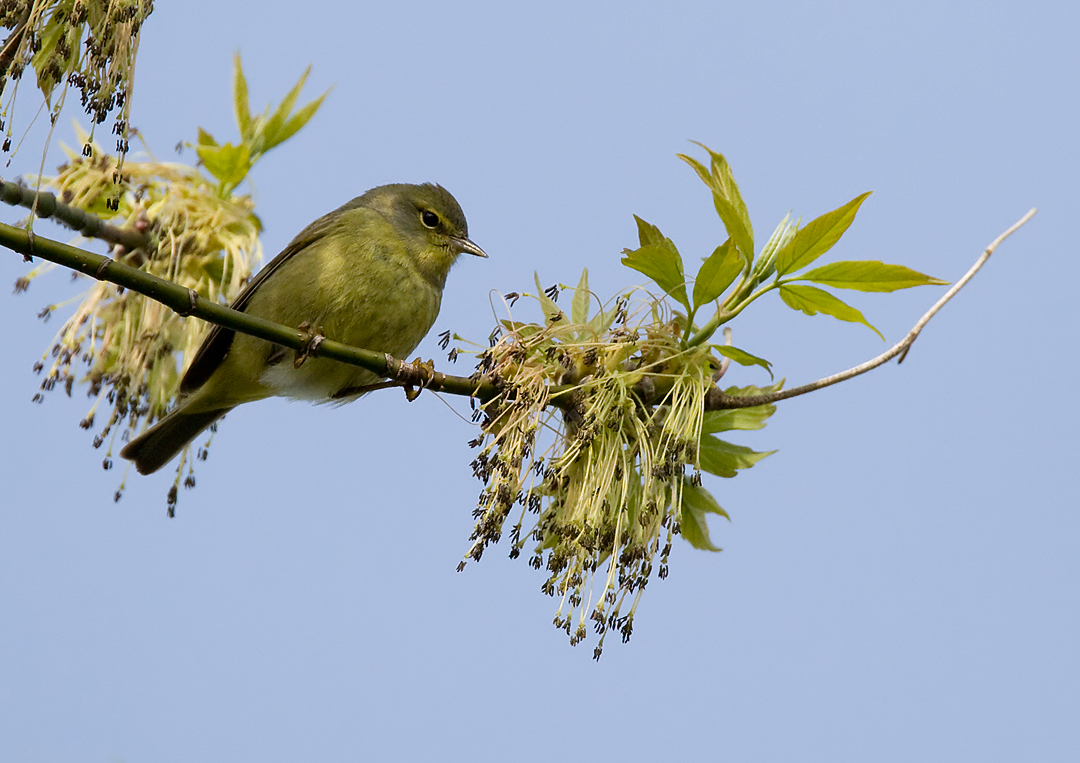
(230, 164)
(734, 276)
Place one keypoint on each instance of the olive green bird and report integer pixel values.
(369, 274)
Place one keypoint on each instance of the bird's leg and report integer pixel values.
(312, 340)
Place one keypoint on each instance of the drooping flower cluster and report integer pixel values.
(622, 397)
(124, 345)
(88, 44)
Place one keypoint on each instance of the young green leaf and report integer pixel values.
(726, 186)
(736, 418)
(723, 459)
(579, 308)
(206, 139)
(812, 300)
(240, 100)
(728, 201)
(299, 119)
(739, 231)
(742, 357)
(869, 275)
(817, 237)
(602, 321)
(276, 122)
(228, 163)
(717, 273)
(552, 313)
(524, 330)
(663, 265)
(648, 233)
(741, 418)
(701, 170)
(696, 503)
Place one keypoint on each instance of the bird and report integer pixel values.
(369, 274)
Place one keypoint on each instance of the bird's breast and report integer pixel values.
(375, 300)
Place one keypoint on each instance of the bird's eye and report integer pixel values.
(429, 218)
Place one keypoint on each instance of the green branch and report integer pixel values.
(86, 224)
(187, 302)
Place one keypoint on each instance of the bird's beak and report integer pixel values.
(465, 245)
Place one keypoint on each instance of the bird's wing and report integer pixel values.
(215, 347)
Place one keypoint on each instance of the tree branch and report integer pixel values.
(187, 302)
(84, 223)
(717, 400)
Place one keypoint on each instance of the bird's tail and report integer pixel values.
(157, 445)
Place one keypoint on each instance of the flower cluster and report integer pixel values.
(594, 437)
(123, 345)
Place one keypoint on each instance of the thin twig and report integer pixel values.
(717, 400)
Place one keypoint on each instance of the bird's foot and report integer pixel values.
(312, 340)
(413, 377)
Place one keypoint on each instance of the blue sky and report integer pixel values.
(900, 581)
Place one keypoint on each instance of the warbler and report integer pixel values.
(369, 274)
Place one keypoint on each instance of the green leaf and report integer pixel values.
(726, 186)
(552, 313)
(240, 100)
(602, 321)
(699, 168)
(206, 139)
(696, 503)
(817, 237)
(299, 119)
(663, 265)
(524, 330)
(812, 300)
(736, 419)
(648, 233)
(723, 459)
(742, 357)
(869, 275)
(741, 418)
(277, 119)
(282, 124)
(727, 199)
(228, 163)
(49, 76)
(717, 273)
(736, 229)
(579, 308)
(750, 390)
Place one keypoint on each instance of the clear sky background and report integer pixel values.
(901, 581)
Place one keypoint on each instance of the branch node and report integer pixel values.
(193, 303)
